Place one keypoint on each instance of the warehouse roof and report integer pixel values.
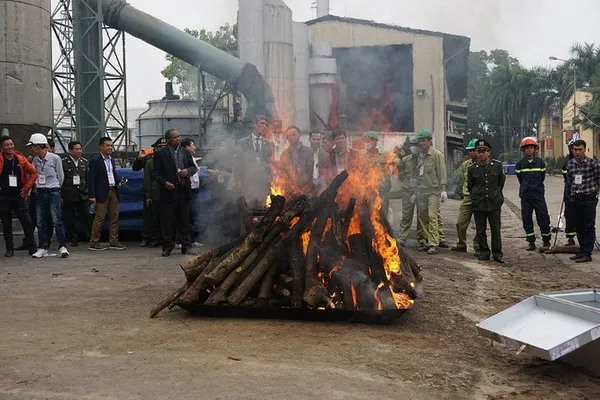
(374, 24)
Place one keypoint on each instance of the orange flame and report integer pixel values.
(305, 241)
(353, 292)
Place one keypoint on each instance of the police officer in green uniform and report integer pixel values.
(464, 212)
(431, 189)
(485, 182)
(74, 193)
(407, 172)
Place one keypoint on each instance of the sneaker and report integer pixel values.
(97, 247)
(178, 246)
(40, 253)
(432, 250)
(116, 246)
(63, 252)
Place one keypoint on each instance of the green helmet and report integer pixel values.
(425, 134)
(472, 144)
(372, 135)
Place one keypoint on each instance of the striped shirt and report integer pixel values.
(583, 178)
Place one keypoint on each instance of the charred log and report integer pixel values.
(169, 299)
(266, 285)
(297, 267)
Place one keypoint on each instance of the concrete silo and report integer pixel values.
(25, 69)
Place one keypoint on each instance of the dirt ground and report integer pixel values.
(79, 329)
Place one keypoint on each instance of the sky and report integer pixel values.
(531, 30)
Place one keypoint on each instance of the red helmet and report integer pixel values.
(529, 141)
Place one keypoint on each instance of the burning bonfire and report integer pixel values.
(332, 251)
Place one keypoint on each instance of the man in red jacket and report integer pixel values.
(17, 177)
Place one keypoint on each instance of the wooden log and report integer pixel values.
(169, 299)
(196, 261)
(340, 284)
(359, 250)
(250, 243)
(401, 285)
(384, 299)
(245, 214)
(378, 273)
(560, 250)
(266, 285)
(313, 287)
(271, 257)
(348, 217)
(336, 227)
(191, 273)
(297, 264)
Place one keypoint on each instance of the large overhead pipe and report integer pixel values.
(244, 78)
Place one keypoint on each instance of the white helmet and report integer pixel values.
(37, 138)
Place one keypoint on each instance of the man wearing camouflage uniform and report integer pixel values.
(407, 167)
(465, 213)
(431, 189)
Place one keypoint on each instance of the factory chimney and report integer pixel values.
(322, 8)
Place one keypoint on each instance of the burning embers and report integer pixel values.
(334, 251)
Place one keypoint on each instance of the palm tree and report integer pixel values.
(586, 58)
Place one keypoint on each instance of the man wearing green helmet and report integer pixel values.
(465, 213)
(407, 172)
(431, 189)
(380, 160)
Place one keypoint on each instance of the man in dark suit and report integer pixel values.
(173, 167)
(104, 196)
(252, 165)
(343, 158)
(296, 163)
(75, 192)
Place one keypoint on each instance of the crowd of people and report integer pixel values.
(50, 193)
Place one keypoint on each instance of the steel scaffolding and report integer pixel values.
(89, 76)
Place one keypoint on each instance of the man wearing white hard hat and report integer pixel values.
(50, 177)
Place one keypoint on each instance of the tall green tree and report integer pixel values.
(186, 76)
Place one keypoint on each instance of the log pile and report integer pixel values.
(305, 253)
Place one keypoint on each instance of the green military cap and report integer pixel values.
(472, 144)
(372, 135)
(425, 134)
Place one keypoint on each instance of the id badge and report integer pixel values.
(578, 179)
(41, 179)
(76, 180)
(12, 181)
(421, 170)
(111, 180)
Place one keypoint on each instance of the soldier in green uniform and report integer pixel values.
(407, 168)
(378, 159)
(485, 182)
(465, 213)
(431, 189)
(74, 193)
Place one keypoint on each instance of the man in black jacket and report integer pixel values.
(531, 172)
(570, 232)
(172, 169)
(104, 196)
(75, 192)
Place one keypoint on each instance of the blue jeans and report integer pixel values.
(48, 204)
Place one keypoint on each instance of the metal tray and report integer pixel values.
(558, 325)
(302, 314)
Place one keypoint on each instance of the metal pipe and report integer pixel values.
(245, 78)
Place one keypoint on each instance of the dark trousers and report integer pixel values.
(154, 233)
(48, 207)
(528, 207)
(146, 221)
(481, 220)
(8, 206)
(82, 209)
(177, 210)
(32, 207)
(569, 219)
(584, 215)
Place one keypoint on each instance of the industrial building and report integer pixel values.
(330, 72)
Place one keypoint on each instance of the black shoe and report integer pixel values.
(570, 242)
(459, 249)
(483, 257)
(583, 259)
(443, 245)
(575, 257)
(546, 244)
(9, 253)
(187, 252)
(499, 260)
(531, 246)
(423, 247)
(167, 252)
(145, 243)
(32, 251)
(23, 246)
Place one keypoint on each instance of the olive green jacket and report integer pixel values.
(431, 172)
(151, 188)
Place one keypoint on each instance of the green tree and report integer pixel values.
(186, 76)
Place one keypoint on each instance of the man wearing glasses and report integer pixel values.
(485, 182)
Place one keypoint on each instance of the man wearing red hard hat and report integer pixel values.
(531, 172)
